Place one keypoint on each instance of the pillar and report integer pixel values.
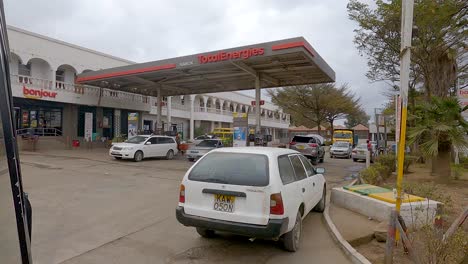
(169, 110)
(257, 103)
(159, 107)
(205, 102)
(192, 123)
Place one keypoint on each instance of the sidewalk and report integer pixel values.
(355, 228)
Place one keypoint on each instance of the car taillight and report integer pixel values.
(354, 151)
(292, 143)
(313, 145)
(182, 194)
(276, 204)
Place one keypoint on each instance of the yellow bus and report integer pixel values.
(343, 135)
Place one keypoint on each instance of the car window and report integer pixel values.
(314, 140)
(136, 140)
(208, 143)
(165, 140)
(286, 170)
(303, 139)
(298, 168)
(308, 167)
(153, 140)
(232, 168)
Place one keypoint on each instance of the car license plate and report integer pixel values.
(361, 152)
(224, 203)
(300, 147)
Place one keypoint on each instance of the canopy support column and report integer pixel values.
(159, 107)
(257, 103)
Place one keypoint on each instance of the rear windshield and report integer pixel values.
(232, 168)
(304, 139)
(208, 143)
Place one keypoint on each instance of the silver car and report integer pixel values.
(202, 148)
(311, 146)
(341, 149)
(359, 152)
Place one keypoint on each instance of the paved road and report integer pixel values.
(97, 210)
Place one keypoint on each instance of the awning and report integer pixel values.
(279, 63)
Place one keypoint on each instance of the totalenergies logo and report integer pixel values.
(37, 94)
(222, 56)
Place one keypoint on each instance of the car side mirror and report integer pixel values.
(148, 143)
(320, 170)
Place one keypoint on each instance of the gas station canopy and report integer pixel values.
(278, 64)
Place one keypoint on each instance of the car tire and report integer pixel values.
(355, 160)
(292, 239)
(138, 156)
(118, 158)
(321, 160)
(320, 207)
(206, 233)
(191, 159)
(331, 156)
(170, 154)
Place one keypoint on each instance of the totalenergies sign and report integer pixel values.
(222, 56)
(37, 93)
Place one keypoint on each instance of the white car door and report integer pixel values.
(147, 147)
(313, 194)
(305, 188)
(291, 192)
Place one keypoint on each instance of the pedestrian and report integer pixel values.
(178, 141)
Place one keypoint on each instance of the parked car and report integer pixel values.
(341, 149)
(311, 146)
(359, 152)
(258, 192)
(202, 148)
(145, 146)
(199, 139)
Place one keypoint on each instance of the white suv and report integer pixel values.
(252, 191)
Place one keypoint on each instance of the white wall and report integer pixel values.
(29, 45)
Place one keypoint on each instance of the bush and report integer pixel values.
(371, 175)
(430, 247)
(428, 190)
(387, 160)
(457, 171)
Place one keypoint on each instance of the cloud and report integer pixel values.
(147, 30)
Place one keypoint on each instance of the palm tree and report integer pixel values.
(438, 126)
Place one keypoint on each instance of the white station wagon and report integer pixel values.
(144, 146)
(256, 192)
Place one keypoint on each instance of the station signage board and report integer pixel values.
(32, 93)
(223, 56)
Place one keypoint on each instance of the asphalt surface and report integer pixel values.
(88, 208)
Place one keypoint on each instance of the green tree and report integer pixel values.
(438, 46)
(439, 125)
(316, 104)
(356, 118)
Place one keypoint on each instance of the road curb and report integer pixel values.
(352, 253)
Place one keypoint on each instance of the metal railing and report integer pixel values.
(40, 131)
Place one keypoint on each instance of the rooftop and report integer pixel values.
(279, 63)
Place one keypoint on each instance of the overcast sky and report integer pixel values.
(146, 30)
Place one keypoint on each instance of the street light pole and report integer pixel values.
(405, 60)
